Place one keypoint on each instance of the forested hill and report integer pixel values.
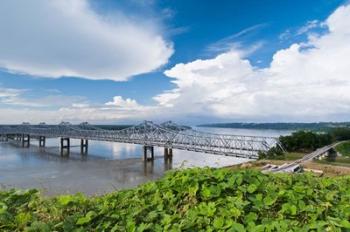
(280, 126)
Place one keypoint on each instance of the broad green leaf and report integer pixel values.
(252, 188)
(218, 222)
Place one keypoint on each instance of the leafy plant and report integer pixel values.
(191, 200)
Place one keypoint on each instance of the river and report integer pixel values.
(107, 167)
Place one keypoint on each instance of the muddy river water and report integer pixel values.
(107, 167)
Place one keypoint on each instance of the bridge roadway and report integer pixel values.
(168, 135)
(290, 167)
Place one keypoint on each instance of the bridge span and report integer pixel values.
(296, 165)
(168, 135)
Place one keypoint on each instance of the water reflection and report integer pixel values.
(106, 166)
(168, 163)
(148, 167)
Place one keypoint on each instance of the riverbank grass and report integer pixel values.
(343, 148)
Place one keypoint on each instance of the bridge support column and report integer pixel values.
(147, 149)
(168, 158)
(331, 155)
(65, 146)
(25, 140)
(168, 152)
(84, 144)
(3, 138)
(42, 141)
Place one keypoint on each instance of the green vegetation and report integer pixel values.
(343, 148)
(305, 141)
(338, 161)
(308, 141)
(279, 155)
(191, 200)
(298, 142)
(340, 134)
(293, 155)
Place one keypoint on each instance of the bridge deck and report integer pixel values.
(167, 135)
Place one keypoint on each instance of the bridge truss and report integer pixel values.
(168, 135)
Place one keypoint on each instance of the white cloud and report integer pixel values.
(67, 38)
(77, 112)
(16, 108)
(16, 97)
(232, 42)
(305, 29)
(117, 109)
(309, 26)
(119, 102)
(9, 93)
(80, 105)
(305, 81)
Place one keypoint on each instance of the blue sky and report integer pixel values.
(188, 31)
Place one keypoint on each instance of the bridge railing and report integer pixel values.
(149, 133)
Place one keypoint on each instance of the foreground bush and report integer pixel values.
(191, 200)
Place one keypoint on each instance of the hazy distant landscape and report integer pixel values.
(316, 126)
(280, 126)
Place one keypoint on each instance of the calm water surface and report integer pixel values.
(107, 167)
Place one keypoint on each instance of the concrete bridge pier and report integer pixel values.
(9, 137)
(168, 152)
(3, 138)
(17, 137)
(168, 158)
(331, 155)
(146, 150)
(65, 146)
(25, 140)
(42, 141)
(84, 144)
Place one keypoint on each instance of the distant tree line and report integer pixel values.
(319, 126)
(307, 141)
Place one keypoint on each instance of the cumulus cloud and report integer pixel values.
(306, 81)
(76, 112)
(16, 97)
(118, 109)
(67, 38)
(119, 102)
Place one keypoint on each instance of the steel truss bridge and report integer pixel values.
(168, 135)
